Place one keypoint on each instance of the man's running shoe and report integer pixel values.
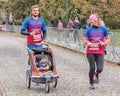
(91, 86)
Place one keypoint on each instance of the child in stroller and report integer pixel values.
(42, 63)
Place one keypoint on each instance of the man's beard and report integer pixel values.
(35, 15)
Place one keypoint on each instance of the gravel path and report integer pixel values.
(71, 67)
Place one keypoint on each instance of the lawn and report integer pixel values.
(115, 30)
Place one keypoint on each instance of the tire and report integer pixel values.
(28, 79)
(47, 87)
(29, 61)
(55, 83)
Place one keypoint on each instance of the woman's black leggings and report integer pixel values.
(95, 61)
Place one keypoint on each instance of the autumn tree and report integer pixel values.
(53, 9)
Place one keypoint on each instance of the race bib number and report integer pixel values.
(37, 38)
(96, 47)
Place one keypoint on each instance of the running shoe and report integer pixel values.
(91, 86)
(97, 80)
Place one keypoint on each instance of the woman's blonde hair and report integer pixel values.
(98, 20)
(101, 22)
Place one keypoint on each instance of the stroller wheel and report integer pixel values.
(55, 83)
(28, 79)
(29, 61)
(47, 87)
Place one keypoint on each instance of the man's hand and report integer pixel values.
(43, 42)
(32, 33)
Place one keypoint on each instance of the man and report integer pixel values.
(36, 32)
(76, 27)
(36, 29)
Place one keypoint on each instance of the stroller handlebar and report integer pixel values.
(45, 48)
(40, 50)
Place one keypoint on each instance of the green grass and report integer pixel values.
(115, 30)
(116, 37)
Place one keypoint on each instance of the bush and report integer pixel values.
(112, 23)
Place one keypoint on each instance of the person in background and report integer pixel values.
(96, 37)
(70, 28)
(60, 28)
(85, 26)
(76, 27)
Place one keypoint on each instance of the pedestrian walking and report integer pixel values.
(60, 29)
(76, 27)
(70, 29)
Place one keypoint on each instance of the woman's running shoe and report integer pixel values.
(97, 80)
(91, 86)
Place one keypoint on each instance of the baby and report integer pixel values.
(43, 63)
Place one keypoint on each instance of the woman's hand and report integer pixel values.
(90, 44)
(102, 43)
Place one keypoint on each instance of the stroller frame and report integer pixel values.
(45, 77)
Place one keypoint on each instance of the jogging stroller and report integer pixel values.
(45, 72)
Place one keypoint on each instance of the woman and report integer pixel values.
(96, 37)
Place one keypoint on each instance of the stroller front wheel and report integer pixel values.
(47, 87)
(28, 79)
(55, 83)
